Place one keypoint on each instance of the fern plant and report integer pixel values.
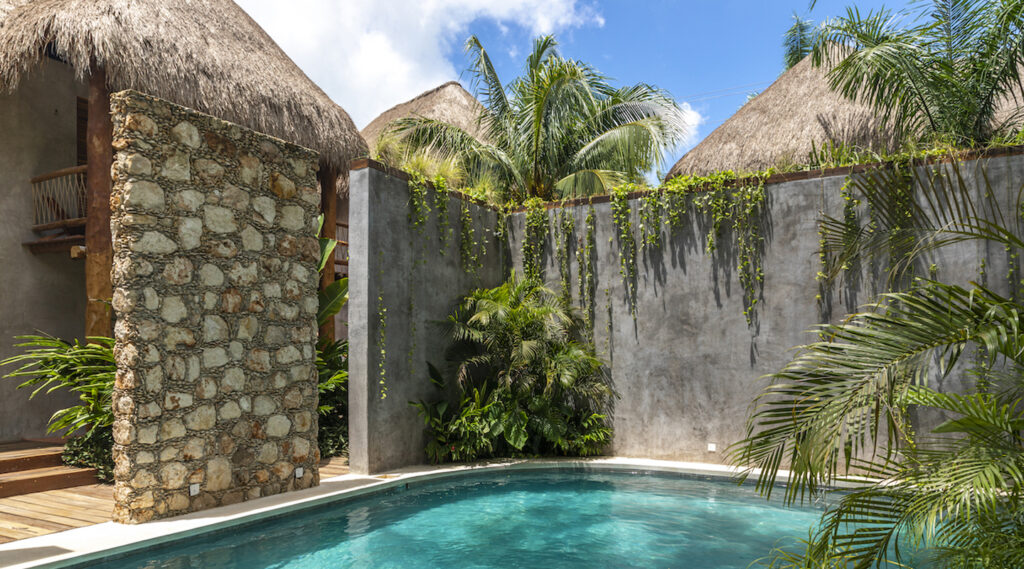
(527, 381)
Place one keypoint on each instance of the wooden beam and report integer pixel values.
(329, 206)
(98, 262)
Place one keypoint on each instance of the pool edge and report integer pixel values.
(96, 542)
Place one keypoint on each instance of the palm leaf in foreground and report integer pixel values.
(841, 407)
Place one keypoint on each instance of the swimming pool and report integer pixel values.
(548, 518)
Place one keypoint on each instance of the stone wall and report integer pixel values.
(215, 294)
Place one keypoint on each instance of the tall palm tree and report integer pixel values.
(938, 71)
(560, 130)
(844, 404)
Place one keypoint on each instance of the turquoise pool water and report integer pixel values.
(535, 519)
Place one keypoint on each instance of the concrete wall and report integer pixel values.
(401, 290)
(215, 282)
(688, 367)
(38, 293)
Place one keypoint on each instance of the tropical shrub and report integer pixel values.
(49, 364)
(558, 131)
(940, 71)
(845, 404)
(526, 382)
(332, 370)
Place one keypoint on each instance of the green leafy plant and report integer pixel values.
(332, 373)
(535, 238)
(334, 296)
(841, 409)
(559, 130)
(50, 364)
(941, 72)
(526, 381)
(622, 216)
(798, 40)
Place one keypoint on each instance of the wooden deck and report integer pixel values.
(49, 512)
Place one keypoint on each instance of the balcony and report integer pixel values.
(341, 251)
(59, 211)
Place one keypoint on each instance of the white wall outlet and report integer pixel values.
(193, 489)
(299, 472)
(712, 447)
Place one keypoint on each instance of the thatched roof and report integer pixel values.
(205, 54)
(779, 125)
(449, 103)
(6, 6)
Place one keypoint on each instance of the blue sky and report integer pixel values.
(369, 55)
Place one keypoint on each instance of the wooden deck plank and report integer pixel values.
(48, 512)
(8, 509)
(61, 497)
(55, 507)
(35, 522)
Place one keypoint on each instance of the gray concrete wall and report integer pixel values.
(38, 293)
(401, 289)
(688, 367)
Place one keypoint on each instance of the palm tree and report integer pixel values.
(798, 41)
(560, 130)
(942, 76)
(844, 404)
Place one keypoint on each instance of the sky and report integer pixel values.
(369, 55)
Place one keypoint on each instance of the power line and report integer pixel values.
(719, 93)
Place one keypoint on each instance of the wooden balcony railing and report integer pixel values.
(59, 211)
(58, 199)
(341, 251)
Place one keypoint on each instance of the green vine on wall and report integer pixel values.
(535, 238)
(468, 246)
(382, 313)
(418, 206)
(565, 226)
(738, 204)
(444, 229)
(622, 216)
(587, 283)
(650, 218)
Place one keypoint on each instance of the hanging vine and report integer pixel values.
(740, 205)
(468, 246)
(650, 218)
(418, 206)
(587, 284)
(535, 238)
(444, 229)
(382, 325)
(565, 227)
(621, 215)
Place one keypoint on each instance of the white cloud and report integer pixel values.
(369, 55)
(693, 120)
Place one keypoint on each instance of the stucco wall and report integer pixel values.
(38, 293)
(404, 282)
(215, 280)
(688, 367)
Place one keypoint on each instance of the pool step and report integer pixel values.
(28, 467)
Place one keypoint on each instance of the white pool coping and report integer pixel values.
(94, 542)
